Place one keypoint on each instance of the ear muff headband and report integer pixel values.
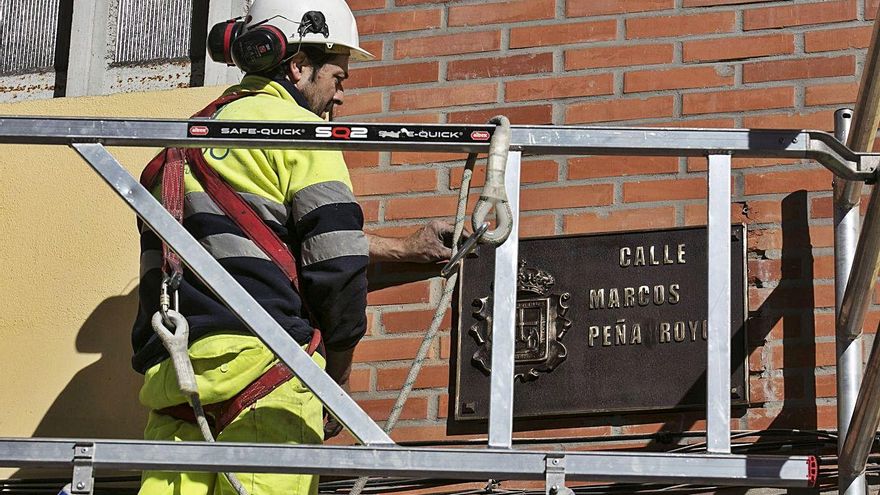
(227, 43)
(282, 40)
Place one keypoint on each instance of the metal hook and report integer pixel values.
(168, 289)
(469, 245)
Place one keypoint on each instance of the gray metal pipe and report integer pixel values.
(866, 264)
(856, 429)
(857, 298)
(865, 120)
(849, 349)
(865, 419)
(867, 115)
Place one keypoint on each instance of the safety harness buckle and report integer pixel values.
(167, 292)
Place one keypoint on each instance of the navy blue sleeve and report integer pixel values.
(333, 253)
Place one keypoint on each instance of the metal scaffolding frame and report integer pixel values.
(379, 455)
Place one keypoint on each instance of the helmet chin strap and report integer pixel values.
(330, 112)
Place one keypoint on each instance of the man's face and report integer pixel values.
(323, 88)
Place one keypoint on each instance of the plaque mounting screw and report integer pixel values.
(80, 485)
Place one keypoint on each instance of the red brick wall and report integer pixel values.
(698, 63)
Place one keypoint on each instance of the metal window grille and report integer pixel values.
(27, 35)
(153, 30)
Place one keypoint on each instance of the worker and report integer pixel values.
(306, 198)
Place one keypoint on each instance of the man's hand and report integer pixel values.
(427, 244)
(424, 246)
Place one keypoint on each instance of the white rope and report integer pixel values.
(176, 341)
(493, 196)
(428, 340)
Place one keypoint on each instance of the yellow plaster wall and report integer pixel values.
(68, 278)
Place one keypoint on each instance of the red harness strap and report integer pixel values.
(170, 165)
(223, 413)
(151, 172)
(172, 197)
(242, 214)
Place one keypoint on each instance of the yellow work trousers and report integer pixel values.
(225, 364)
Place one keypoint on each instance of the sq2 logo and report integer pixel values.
(341, 132)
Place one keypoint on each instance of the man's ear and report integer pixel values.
(297, 67)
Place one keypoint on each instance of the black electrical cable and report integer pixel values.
(662, 437)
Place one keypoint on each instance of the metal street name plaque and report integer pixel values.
(606, 323)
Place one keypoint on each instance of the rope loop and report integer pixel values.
(175, 338)
(494, 195)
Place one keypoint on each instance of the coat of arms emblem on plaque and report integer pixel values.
(540, 326)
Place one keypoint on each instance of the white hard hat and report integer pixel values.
(287, 15)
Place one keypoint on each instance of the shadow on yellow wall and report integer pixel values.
(105, 389)
(68, 274)
(108, 384)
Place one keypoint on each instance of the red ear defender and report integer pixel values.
(260, 49)
(221, 38)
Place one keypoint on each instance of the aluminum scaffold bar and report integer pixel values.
(718, 353)
(866, 117)
(853, 310)
(463, 464)
(856, 266)
(88, 137)
(848, 348)
(546, 140)
(504, 319)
